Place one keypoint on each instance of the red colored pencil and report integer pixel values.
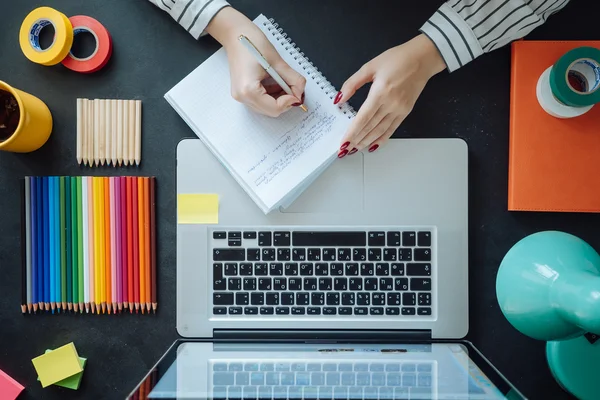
(147, 201)
(129, 247)
(123, 228)
(135, 243)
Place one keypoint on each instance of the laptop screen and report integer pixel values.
(207, 370)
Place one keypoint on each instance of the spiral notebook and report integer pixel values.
(273, 159)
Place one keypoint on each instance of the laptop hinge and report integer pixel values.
(322, 336)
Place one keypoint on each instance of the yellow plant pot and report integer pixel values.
(35, 123)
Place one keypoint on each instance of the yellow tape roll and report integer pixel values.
(30, 34)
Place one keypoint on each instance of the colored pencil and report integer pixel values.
(73, 234)
(153, 243)
(68, 249)
(62, 248)
(107, 246)
(46, 249)
(80, 237)
(94, 284)
(52, 246)
(24, 194)
(124, 242)
(147, 266)
(36, 276)
(113, 242)
(40, 243)
(85, 222)
(142, 243)
(34, 244)
(99, 236)
(28, 261)
(135, 244)
(130, 297)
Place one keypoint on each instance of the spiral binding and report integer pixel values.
(303, 61)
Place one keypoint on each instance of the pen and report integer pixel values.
(265, 64)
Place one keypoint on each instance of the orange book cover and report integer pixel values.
(554, 164)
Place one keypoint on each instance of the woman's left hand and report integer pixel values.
(399, 76)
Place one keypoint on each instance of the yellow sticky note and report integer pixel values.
(57, 365)
(198, 208)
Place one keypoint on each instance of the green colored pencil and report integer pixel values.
(75, 260)
(63, 261)
(80, 262)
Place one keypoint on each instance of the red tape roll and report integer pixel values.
(102, 52)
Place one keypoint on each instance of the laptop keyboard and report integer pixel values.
(296, 273)
(326, 380)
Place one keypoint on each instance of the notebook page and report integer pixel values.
(272, 156)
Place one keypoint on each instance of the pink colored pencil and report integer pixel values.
(118, 256)
(91, 253)
(135, 246)
(113, 246)
(124, 249)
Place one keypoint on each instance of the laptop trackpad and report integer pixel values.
(338, 190)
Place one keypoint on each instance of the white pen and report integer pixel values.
(265, 64)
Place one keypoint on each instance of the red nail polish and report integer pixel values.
(342, 154)
(373, 148)
(338, 97)
(354, 150)
(296, 105)
(302, 97)
(343, 147)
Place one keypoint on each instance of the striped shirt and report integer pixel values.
(462, 30)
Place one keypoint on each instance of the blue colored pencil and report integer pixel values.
(57, 237)
(40, 242)
(33, 204)
(68, 249)
(46, 222)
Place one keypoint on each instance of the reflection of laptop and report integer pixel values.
(376, 247)
(254, 370)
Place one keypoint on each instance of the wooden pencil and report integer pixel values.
(113, 140)
(23, 248)
(130, 297)
(120, 131)
(107, 246)
(63, 263)
(138, 132)
(68, 244)
(125, 137)
(79, 131)
(131, 133)
(147, 258)
(107, 130)
(135, 244)
(153, 243)
(98, 146)
(142, 243)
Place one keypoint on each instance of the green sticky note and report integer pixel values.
(198, 208)
(74, 381)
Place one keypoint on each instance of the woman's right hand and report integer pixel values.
(250, 83)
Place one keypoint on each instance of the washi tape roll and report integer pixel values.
(29, 36)
(575, 78)
(102, 52)
(550, 104)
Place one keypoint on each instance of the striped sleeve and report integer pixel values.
(193, 15)
(465, 29)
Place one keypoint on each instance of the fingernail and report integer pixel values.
(338, 97)
(296, 104)
(343, 147)
(373, 148)
(342, 154)
(354, 150)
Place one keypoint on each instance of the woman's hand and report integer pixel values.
(250, 83)
(399, 76)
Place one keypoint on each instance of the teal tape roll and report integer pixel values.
(575, 78)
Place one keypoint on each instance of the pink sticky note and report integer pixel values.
(9, 388)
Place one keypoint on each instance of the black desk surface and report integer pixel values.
(151, 54)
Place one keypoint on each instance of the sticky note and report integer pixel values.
(198, 208)
(57, 365)
(9, 388)
(74, 381)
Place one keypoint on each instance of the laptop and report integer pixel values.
(205, 369)
(358, 290)
(377, 244)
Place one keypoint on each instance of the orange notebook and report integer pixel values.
(554, 164)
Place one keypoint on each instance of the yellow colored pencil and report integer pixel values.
(97, 245)
(142, 242)
(102, 248)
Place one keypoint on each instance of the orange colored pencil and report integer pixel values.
(102, 248)
(107, 247)
(129, 246)
(142, 241)
(147, 201)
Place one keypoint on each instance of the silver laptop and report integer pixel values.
(340, 371)
(375, 248)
